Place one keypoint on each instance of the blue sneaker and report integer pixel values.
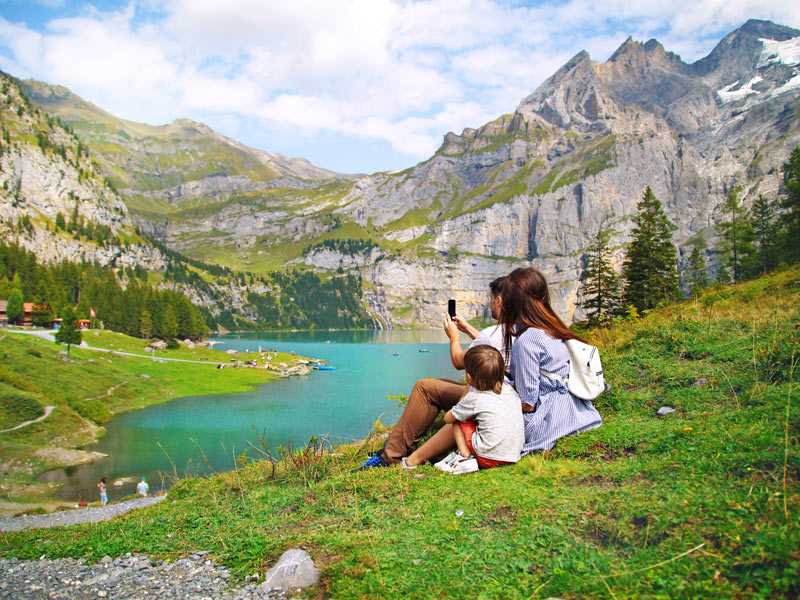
(372, 462)
(377, 452)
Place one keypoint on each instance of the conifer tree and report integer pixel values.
(69, 333)
(145, 324)
(696, 273)
(765, 234)
(169, 328)
(14, 308)
(650, 270)
(790, 203)
(736, 238)
(601, 284)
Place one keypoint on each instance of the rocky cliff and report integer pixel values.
(47, 178)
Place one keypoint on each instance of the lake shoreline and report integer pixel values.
(338, 406)
(72, 435)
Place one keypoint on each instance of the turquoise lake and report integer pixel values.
(341, 405)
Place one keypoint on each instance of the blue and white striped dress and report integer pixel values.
(558, 413)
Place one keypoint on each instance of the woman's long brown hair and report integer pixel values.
(526, 303)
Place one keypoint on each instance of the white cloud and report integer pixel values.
(394, 70)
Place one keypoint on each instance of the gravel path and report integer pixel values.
(131, 577)
(73, 517)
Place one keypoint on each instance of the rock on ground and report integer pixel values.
(294, 569)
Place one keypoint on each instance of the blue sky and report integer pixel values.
(351, 85)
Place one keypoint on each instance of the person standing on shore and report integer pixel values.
(103, 495)
(143, 489)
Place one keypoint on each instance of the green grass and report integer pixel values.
(702, 503)
(414, 217)
(94, 386)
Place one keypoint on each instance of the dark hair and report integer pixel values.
(102, 480)
(496, 287)
(486, 367)
(526, 303)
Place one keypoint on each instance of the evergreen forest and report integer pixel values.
(137, 309)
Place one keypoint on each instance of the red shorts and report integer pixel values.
(468, 428)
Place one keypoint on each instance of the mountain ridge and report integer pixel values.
(530, 187)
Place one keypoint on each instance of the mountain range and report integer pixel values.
(530, 188)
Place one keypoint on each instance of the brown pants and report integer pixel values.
(428, 397)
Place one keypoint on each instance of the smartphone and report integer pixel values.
(451, 307)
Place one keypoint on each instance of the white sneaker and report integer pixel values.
(405, 464)
(465, 465)
(446, 464)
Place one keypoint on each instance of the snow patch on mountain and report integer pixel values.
(728, 94)
(786, 52)
(792, 84)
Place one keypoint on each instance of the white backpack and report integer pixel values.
(585, 379)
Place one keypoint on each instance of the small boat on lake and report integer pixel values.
(322, 367)
(424, 350)
(395, 354)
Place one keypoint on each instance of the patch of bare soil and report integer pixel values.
(502, 518)
(63, 457)
(12, 509)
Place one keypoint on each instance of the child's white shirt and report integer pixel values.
(499, 428)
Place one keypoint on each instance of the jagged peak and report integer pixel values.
(580, 57)
(627, 46)
(767, 29)
(745, 41)
(652, 48)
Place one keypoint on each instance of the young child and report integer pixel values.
(486, 425)
(103, 495)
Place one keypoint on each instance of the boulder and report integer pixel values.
(294, 569)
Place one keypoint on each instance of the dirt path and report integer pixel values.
(49, 336)
(47, 410)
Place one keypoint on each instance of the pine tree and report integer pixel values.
(69, 333)
(790, 203)
(736, 238)
(14, 308)
(696, 273)
(145, 324)
(650, 270)
(601, 284)
(765, 234)
(169, 328)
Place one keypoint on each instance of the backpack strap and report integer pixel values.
(552, 375)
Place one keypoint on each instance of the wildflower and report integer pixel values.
(687, 428)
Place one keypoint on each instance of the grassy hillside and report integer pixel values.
(701, 503)
(146, 157)
(86, 390)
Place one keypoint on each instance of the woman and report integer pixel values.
(534, 338)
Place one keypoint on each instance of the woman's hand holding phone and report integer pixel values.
(450, 327)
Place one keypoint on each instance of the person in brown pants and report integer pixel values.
(429, 396)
